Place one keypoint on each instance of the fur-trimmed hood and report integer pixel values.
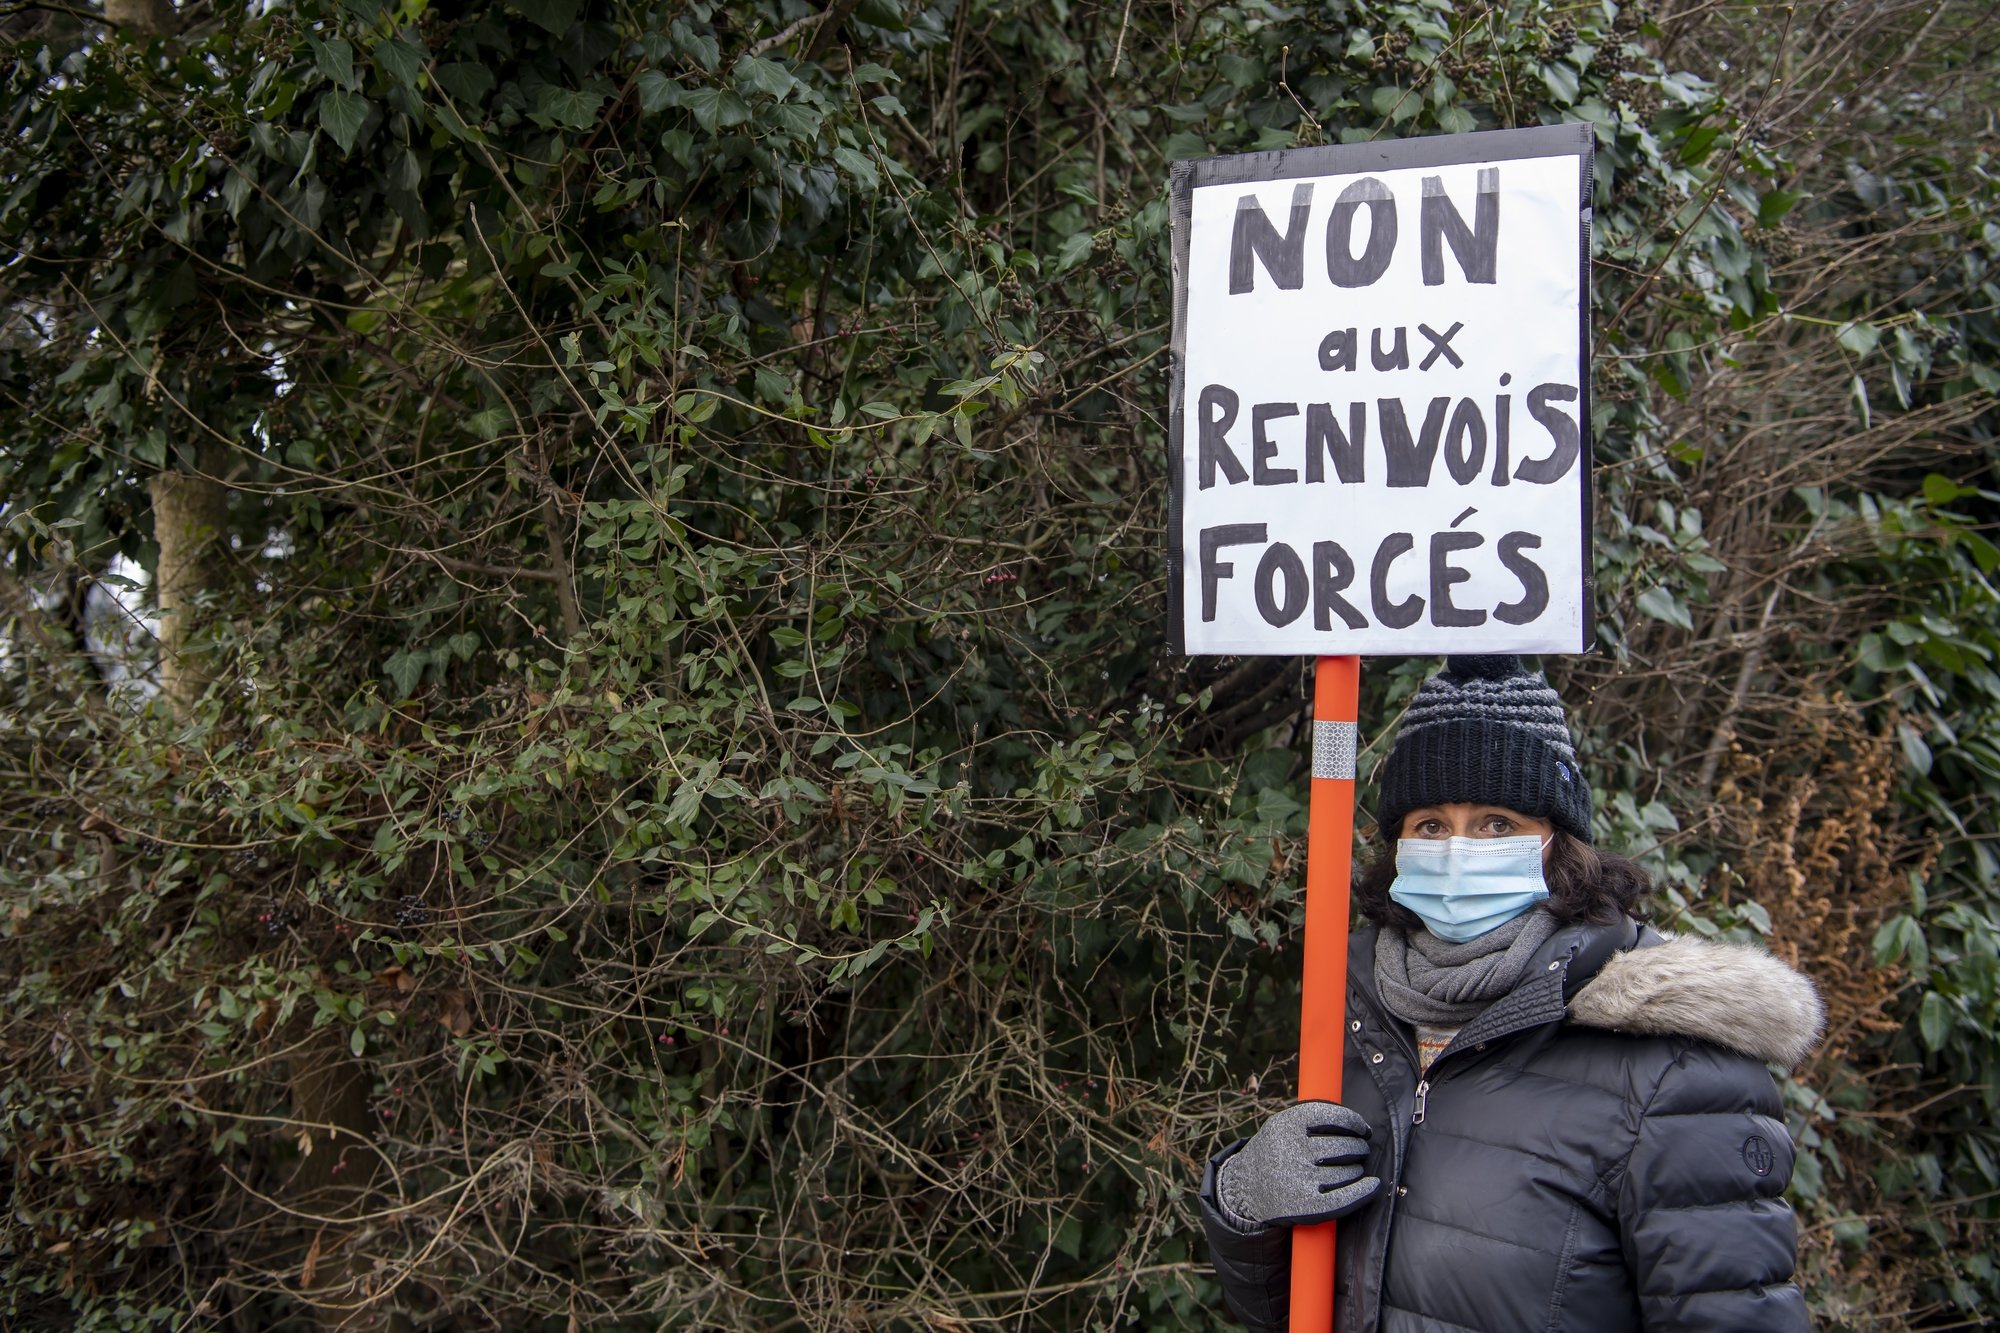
(1731, 994)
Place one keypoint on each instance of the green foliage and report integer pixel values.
(692, 733)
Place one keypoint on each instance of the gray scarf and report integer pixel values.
(1423, 979)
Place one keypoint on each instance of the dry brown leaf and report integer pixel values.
(453, 1016)
(311, 1264)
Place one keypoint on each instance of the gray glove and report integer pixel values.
(1302, 1167)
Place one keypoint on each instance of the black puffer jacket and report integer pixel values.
(1600, 1150)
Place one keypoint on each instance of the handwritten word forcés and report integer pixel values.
(1284, 588)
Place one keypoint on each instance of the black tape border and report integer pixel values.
(1181, 206)
(1576, 140)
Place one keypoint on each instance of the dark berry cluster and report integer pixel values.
(436, 29)
(46, 809)
(1000, 576)
(1561, 39)
(1642, 98)
(1389, 51)
(279, 35)
(411, 910)
(276, 920)
(461, 819)
(1779, 243)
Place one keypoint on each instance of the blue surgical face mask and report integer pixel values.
(1464, 887)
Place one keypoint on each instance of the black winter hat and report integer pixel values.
(1485, 730)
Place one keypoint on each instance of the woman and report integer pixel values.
(1554, 1117)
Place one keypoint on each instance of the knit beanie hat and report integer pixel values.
(1485, 730)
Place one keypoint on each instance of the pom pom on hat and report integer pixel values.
(1492, 667)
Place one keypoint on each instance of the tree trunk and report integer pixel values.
(188, 515)
(141, 18)
(330, 1091)
(329, 1086)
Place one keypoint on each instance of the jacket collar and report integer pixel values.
(1629, 978)
(1564, 965)
(1733, 995)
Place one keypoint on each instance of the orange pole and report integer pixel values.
(1323, 1007)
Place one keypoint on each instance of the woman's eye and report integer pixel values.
(1499, 826)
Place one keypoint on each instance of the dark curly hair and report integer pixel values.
(1584, 885)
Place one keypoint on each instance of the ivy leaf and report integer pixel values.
(1773, 207)
(403, 61)
(754, 74)
(1858, 337)
(715, 108)
(1915, 750)
(1700, 139)
(235, 191)
(465, 81)
(857, 166)
(886, 14)
(1934, 1020)
(1075, 250)
(1562, 82)
(343, 114)
(800, 122)
(1899, 938)
(1661, 604)
(574, 107)
(1940, 490)
(1246, 861)
(486, 423)
(335, 59)
(657, 92)
(1241, 71)
(405, 668)
(556, 16)
(1456, 120)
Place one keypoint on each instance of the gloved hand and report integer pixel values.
(1301, 1167)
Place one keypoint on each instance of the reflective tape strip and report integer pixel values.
(1334, 744)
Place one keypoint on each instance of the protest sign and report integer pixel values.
(1380, 438)
(1380, 429)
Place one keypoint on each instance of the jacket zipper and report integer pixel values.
(1423, 1091)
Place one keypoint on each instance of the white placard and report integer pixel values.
(1381, 424)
